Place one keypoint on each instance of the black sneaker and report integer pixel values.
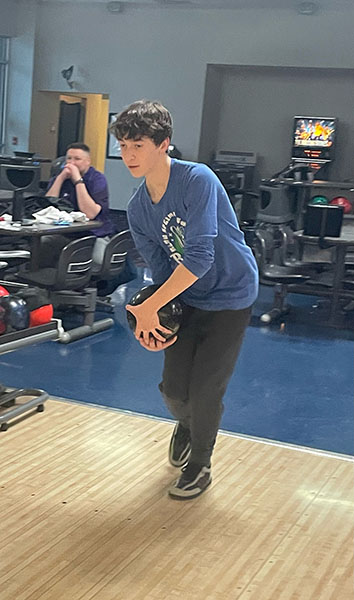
(180, 446)
(192, 482)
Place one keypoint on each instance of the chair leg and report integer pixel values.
(105, 303)
(84, 300)
(87, 304)
(89, 311)
(279, 308)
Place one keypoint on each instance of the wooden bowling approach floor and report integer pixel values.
(85, 515)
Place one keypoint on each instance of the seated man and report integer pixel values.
(87, 190)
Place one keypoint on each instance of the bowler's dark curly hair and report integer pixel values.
(144, 118)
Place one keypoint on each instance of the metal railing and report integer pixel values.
(4, 71)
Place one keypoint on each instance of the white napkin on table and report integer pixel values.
(51, 215)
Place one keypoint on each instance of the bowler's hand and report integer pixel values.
(155, 345)
(147, 322)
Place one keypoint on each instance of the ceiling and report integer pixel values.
(302, 6)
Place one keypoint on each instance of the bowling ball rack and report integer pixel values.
(10, 408)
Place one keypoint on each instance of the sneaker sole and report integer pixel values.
(177, 494)
(180, 463)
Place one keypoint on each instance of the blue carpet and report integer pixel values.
(292, 383)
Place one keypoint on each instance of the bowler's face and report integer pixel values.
(142, 157)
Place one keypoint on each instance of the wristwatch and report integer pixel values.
(79, 181)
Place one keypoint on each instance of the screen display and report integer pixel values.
(314, 132)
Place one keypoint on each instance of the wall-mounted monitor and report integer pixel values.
(314, 137)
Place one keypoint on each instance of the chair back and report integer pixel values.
(115, 255)
(57, 165)
(75, 264)
(277, 204)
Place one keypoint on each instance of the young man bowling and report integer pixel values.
(185, 228)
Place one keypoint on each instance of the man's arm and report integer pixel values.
(173, 284)
(200, 197)
(85, 202)
(54, 189)
(153, 255)
(161, 270)
(147, 320)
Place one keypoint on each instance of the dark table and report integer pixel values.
(342, 245)
(36, 231)
(307, 188)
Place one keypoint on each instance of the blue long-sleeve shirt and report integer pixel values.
(194, 224)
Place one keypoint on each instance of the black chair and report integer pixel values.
(15, 258)
(68, 284)
(13, 261)
(280, 275)
(113, 265)
(57, 165)
(73, 270)
(290, 254)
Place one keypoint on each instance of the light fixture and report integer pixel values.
(307, 8)
(67, 74)
(114, 7)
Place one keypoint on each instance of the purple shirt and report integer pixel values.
(97, 188)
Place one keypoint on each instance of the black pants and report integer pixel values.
(197, 369)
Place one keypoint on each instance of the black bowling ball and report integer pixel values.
(15, 313)
(170, 315)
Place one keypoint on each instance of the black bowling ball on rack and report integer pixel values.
(14, 314)
(170, 315)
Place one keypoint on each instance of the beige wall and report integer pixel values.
(44, 127)
(96, 123)
(45, 119)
